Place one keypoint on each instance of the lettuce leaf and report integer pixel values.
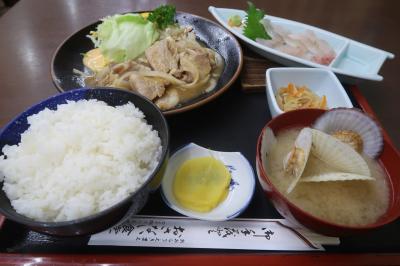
(124, 37)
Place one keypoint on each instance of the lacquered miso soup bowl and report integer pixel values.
(389, 159)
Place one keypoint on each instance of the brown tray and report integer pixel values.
(231, 123)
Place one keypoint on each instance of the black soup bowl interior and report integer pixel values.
(11, 135)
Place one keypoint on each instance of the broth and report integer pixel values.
(351, 203)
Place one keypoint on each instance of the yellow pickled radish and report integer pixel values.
(95, 60)
(201, 184)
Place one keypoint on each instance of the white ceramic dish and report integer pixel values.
(320, 81)
(353, 61)
(241, 189)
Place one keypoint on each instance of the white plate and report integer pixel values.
(241, 189)
(353, 61)
(320, 81)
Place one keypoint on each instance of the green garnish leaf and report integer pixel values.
(163, 16)
(253, 29)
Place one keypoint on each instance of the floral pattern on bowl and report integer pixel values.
(241, 188)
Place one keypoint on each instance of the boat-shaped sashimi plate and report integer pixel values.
(297, 44)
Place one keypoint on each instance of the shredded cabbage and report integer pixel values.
(124, 37)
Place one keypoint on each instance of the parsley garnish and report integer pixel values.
(253, 29)
(163, 16)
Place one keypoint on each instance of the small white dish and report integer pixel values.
(353, 61)
(241, 188)
(320, 81)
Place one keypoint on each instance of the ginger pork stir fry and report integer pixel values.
(171, 70)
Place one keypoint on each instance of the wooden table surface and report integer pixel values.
(32, 29)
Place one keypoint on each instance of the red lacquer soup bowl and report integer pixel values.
(389, 159)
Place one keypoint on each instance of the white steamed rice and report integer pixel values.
(79, 160)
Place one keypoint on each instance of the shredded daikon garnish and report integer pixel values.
(292, 98)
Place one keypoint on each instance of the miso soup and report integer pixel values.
(351, 203)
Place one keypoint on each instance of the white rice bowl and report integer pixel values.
(79, 160)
